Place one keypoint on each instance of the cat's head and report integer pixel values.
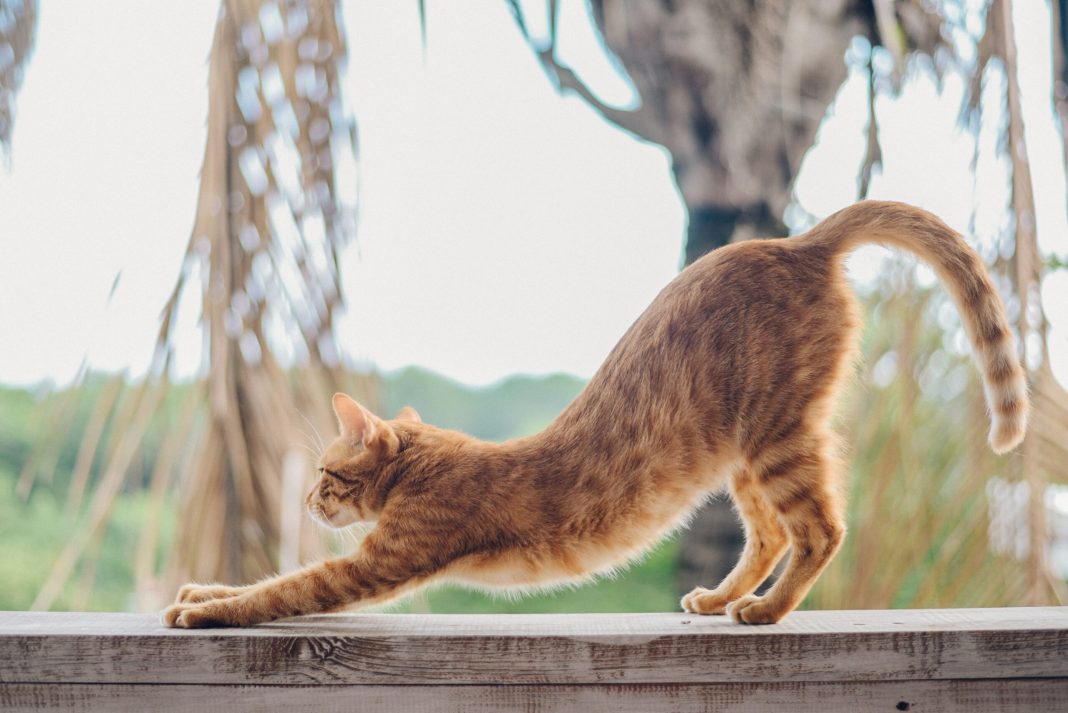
(351, 466)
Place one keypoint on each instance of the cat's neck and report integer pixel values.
(551, 455)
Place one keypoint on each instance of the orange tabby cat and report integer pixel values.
(728, 378)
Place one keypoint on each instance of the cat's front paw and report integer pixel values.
(185, 616)
(169, 617)
(193, 593)
(705, 601)
(752, 609)
(201, 616)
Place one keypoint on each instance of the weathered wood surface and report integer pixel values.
(978, 696)
(574, 649)
(974, 659)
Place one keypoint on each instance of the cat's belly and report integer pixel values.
(552, 564)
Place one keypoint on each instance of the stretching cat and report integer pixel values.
(728, 378)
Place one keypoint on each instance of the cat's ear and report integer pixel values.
(409, 414)
(354, 421)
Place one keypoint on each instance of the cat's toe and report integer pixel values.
(207, 594)
(187, 592)
(191, 616)
(198, 593)
(704, 601)
(169, 616)
(687, 601)
(193, 619)
(752, 609)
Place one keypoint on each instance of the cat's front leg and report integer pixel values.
(305, 592)
(380, 571)
(318, 588)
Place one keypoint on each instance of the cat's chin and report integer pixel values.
(329, 522)
(339, 520)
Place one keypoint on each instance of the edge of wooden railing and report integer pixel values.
(1011, 655)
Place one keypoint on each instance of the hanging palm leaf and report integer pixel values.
(1031, 325)
(18, 22)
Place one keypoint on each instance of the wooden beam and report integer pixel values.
(1024, 696)
(39, 649)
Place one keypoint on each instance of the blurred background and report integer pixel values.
(210, 221)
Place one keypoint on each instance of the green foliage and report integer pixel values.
(516, 406)
(32, 534)
(48, 428)
(16, 414)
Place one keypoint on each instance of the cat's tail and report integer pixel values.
(965, 276)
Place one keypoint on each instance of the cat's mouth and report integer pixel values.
(336, 520)
(319, 515)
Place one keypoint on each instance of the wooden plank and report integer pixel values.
(582, 625)
(536, 649)
(944, 696)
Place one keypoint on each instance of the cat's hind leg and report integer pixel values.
(765, 543)
(800, 483)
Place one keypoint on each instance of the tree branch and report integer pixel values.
(635, 121)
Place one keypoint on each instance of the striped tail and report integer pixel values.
(964, 275)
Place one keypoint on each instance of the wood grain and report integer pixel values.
(594, 649)
(1022, 696)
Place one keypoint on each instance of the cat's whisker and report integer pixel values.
(322, 446)
(316, 448)
(315, 456)
(347, 534)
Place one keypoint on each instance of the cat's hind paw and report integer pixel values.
(752, 609)
(705, 601)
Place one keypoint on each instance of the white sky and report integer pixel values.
(504, 228)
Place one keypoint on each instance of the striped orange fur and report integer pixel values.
(727, 379)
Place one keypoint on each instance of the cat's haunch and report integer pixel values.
(728, 378)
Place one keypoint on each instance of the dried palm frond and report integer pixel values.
(269, 224)
(1031, 324)
(272, 214)
(1059, 27)
(18, 23)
